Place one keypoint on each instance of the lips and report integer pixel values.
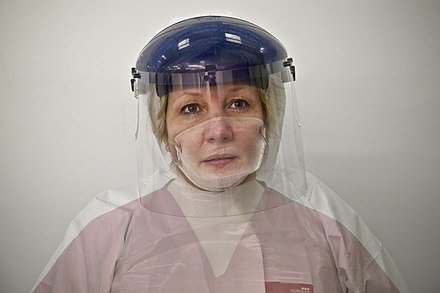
(219, 160)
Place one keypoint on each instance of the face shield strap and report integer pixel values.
(289, 63)
(136, 75)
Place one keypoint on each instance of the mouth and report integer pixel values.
(219, 160)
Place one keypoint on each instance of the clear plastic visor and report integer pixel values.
(218, 141)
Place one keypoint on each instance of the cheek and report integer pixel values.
(173, 127)
(169, 140)
(253, 142)
(191, 146)
(172, 146)
(170, 134)
(250, 143)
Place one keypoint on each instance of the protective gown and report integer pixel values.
(117, 245)
(270, 227)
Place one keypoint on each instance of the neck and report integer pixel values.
(195, 202)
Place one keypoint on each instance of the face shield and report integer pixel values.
(217, 119)
(219, 135)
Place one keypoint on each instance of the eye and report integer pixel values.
(239, 104)
(190, 109)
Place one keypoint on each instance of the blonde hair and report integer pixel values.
(158, 109)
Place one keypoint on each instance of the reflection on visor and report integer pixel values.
(221, 152)
(167, 82)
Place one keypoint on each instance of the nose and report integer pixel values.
(218, 130)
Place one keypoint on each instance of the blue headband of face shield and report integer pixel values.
(257, 76)
(212, 49)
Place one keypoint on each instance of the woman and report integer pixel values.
(225, 204)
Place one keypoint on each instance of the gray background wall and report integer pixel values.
(368, 88)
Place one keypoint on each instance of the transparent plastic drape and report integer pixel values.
(281, 164)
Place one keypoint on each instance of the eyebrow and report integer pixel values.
(187, 93)
(236, 88)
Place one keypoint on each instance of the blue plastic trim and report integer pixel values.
(210, 43)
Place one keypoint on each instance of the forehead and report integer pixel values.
(220, 90)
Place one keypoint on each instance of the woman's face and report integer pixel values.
(216, 130)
